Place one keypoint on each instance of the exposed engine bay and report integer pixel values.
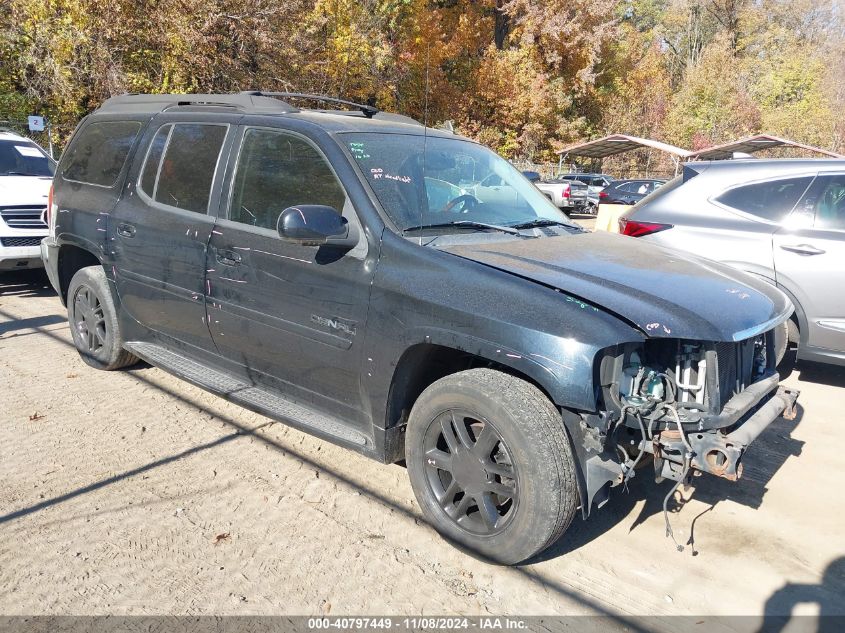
(685, 406)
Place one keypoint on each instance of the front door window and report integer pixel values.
(277, 170)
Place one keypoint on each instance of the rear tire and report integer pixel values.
(491, 465)
(93, 321)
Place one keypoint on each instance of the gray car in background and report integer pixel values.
(780, 220)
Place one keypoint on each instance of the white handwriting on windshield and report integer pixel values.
(378, 173)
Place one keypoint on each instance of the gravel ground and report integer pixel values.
(132, 492)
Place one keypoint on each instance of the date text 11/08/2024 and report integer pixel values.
(414, 624)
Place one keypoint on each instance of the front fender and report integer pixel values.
(554, 376)
(424, 296)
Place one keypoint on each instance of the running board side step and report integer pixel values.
(251, 397)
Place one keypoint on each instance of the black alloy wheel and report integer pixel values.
(94, 323)
(89, 319)
(470, 472)
(491, 465)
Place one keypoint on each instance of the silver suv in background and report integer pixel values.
(781, 220)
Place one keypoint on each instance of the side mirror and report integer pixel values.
(314, 225)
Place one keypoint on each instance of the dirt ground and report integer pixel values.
(584, 219)
(132, 492)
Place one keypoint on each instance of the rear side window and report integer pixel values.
(180, 165)
(97, 156)
(772, 200)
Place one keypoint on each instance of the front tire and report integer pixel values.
(93, 321)
(491, 465)
(781, 341)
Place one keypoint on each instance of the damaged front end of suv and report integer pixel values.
(687, 406)
(669, 361)
(685, 377)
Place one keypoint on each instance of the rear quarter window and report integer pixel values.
(771, 200)
(98, 154)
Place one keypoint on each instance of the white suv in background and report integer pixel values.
(26, 172)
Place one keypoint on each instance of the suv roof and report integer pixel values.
(751, 167)
(8, 135)
(362, 117)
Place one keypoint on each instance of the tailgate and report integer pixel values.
(578, 191)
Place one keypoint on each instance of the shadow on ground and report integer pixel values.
(25, 283)
(829, 595)
(809, 371)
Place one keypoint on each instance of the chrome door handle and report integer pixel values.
(802, 249)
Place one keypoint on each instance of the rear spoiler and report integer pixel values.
(691, 170)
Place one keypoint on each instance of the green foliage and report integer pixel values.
(15, 106)
(712, 103)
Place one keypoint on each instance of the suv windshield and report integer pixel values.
(456, 181)
(21, 158)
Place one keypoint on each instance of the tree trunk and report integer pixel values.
(502, 25)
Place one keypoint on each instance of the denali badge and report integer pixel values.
(335, 323)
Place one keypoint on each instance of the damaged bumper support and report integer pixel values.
(718, 452)
(676, 445)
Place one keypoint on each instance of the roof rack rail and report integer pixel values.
(201, 103)
(161, 102)
(368, 110)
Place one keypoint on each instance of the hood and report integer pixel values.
(19, 190)
(664, 293)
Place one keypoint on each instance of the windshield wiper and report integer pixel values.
(539, 222)
(22, 173)
(471, 224)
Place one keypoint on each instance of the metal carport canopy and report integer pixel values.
(752, 144)
(617, 144)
